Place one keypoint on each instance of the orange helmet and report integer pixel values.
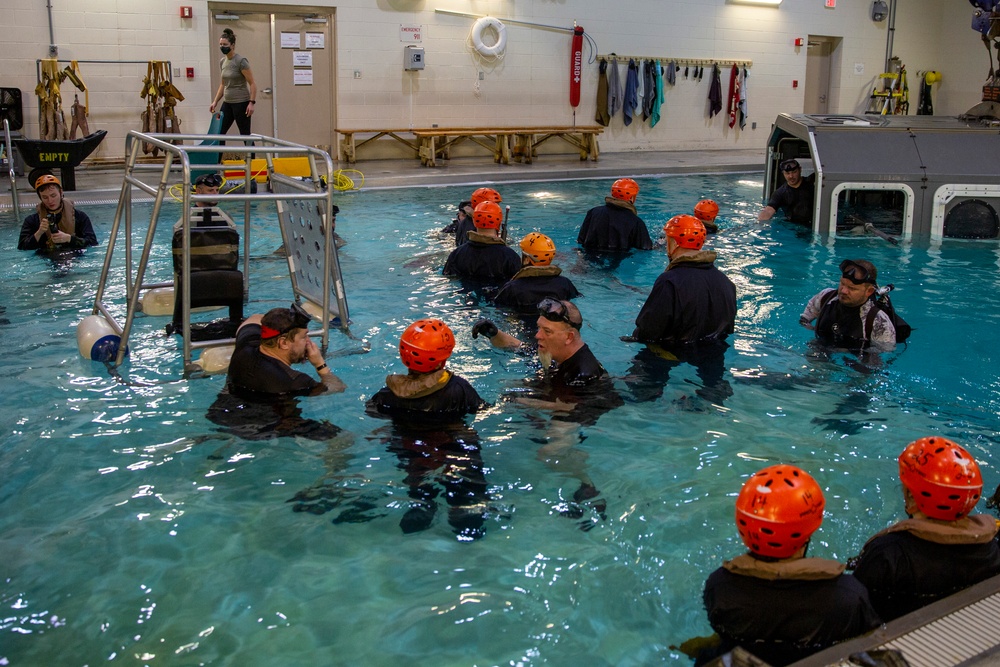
(706, 210)
(625, 189)
(539, 248)
(485, 194)
(426, 345)
(778, 510)
(487, 216)
(943, 478)
(47, 179)
(687, 230)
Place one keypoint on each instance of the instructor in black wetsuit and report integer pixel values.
(795, 197)
(266, 348)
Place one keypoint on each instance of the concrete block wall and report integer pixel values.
(529, 86)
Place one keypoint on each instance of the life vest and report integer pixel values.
(67, 220)
(800, 569)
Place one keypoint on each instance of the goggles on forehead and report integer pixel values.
(300, 319)
(855, 273)
(210, 180)
(555, 311)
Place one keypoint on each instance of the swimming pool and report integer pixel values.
(133, 531)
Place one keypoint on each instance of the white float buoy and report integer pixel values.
(159, 301)
(97, 339)
(215, 359)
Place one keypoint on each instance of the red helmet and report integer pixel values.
(625, 189)
(943, 478)
(485, 194)
(687, 230)
(487, 215)
(47, 179)
(778, 510)
(539, 248)
(426, 345)
(706, 210)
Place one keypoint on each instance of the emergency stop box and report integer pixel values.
(413, 58)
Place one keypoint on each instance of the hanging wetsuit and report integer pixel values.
(919, 561)
(654, 117)
(602, 116)
(715, 92)
(631, 92)
(734, 94)
(649, 89)
(615, 95)
(672, 73)
(743, 100)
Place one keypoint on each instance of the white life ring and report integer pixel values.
(479, 27)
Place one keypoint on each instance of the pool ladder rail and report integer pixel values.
(303, 206)
(7, 160)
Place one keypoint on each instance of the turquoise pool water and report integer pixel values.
(134, 532)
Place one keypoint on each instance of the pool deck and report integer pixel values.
(102, 184)
(928, 637)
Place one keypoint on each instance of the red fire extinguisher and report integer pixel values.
(576, 66)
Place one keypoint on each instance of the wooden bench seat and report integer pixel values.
(520, 143)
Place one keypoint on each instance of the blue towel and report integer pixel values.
(631, 91)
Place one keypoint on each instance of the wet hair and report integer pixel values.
(229, 36)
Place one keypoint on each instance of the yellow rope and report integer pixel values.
(343, 182)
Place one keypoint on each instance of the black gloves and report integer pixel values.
(485, 327)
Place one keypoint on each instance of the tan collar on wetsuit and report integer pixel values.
(627, 205)
(537, 272)
(805, 569)
(700, 257)
(417, 385)
(486, 238)
(974, 529)
(67, 220)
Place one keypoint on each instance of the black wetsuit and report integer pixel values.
(462, 230)
(531, 284)
(580, 380)
(427, 435)
(614, 227)
(785, 620)
(454, 400)
(904, 572)
(490, 263)
(83, 234)
(797, 203)
(691, 302)
(266, 417)
(253, 374)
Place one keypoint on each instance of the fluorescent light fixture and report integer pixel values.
(313, 19)
(765, 3)
(227, 17)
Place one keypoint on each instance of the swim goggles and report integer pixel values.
(556, 311)
(790, 166)
(210, 180)
(850, 270)
(300, 319)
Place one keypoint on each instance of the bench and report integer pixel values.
(349, 147)
(520, 143)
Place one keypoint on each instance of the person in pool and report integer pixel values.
(687, 317)
(941, 548)
(848, 316)
(537, 279)
(773, 601)
(615, 226)
(485, 258)
(267, 346)
(574, 387)
(794, 197)
(56, 223)
(461, 225)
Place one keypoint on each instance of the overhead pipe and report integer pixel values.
(891, 35)
(53, 49)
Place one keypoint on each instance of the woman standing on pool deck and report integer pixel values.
(237, 90)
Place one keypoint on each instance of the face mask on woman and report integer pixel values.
(225, 49)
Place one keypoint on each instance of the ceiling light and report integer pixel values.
(766, 3)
